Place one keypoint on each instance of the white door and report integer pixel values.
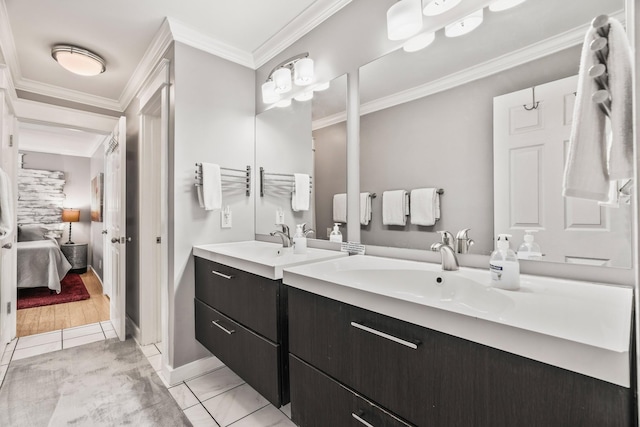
(115, 208)
(530, 149)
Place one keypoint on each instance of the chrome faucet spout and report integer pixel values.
(284, 235)
(447, 255)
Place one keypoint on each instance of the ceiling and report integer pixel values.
(248, 32)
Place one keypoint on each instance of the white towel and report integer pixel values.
(211, 186)
(340, 208)
(425, 206)
(585, 173)
(300, 197)
(6, 205)
(620, 85)
(200, 196)
(365, 208)
(395, 207)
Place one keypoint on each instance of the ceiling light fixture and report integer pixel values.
(418, 42)
(404, 19)
(437, 7)
(465, 25)
(279, 79)
(500, 5)
(78, 60)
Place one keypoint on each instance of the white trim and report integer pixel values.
(7, 43)
(132, 329)
(38, 112)
(309, 19)
(329, 120)
(6, 84)
(190, 370)
(158, 78)
(95, 273)
(67, 94)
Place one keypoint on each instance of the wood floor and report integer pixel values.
(49, 318)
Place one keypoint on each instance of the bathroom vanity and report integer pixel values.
(240, 309)
(433, 348)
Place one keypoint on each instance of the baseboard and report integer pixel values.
(95, 273)
(191, 370)
(132, 329)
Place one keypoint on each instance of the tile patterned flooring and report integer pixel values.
(219, 398)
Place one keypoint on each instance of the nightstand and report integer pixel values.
(76, 254)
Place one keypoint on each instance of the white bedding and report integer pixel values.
(41, 263)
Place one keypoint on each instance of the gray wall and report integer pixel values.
(445, 140)
(97, 238)
(77, 190)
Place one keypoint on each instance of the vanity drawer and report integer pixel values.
(252, 357)
(319, 401)
(248, 299)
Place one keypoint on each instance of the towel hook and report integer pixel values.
(534, 104)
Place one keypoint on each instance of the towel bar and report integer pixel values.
(284, 185)
(232, 179)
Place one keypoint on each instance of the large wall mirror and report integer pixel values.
(428, 121)
(305, 137)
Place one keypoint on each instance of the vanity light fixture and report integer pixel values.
(465, 25)
(321, 86)
(418, 42)
(304, 96)
(500, 5)
(279, 79)
(404, 19)
(437, 7)
(78, 60)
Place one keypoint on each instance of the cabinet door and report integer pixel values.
(255, 359)
(319, 401)
(248, 299)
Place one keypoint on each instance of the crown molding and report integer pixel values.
(195, 39)
(41, 113)
(67, 94)
(329, 120)
(310, 18)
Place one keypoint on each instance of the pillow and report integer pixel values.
(28, 233)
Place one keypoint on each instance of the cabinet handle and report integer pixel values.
(361, 420)
(215, 322)
(226, 276)
(387, 336)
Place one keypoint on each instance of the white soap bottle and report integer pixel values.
(529, 249)
(299, 240)
(336, 235)
(503, 265)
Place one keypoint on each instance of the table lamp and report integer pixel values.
(70, 215)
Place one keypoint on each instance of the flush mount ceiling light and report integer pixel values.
(418, 42)
(500, 5)
(437, 7)
(77, 60)
(465, 25)
(404, 19)
(279, 79)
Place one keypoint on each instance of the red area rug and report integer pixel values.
(72, 289)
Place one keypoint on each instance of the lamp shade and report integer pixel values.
(303, 72)
(465, 25)
(437, 7)
(282, 79)
(404, 19)
(269, 95)
(77, 60)
(70, 215)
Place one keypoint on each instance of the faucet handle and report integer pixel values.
(446, 237)
(463, 234)
(285, 229)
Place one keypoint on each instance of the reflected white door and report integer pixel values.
(115, 208)
(530, 148)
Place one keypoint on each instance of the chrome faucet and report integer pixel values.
(463, 242)
(307, 231)
(446, 238)
(448, 256)
(284, 235)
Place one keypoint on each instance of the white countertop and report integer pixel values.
(261, 258)
(579, 326)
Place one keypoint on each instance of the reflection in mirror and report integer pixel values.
(306, 137)
(428, 121)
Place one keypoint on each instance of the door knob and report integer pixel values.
(114, 240)
(104, 231)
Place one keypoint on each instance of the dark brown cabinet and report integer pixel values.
(241, 319)
(429, 378)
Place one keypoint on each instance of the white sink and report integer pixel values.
(584, 327)
(262, 258)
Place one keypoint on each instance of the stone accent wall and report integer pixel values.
(40, 198)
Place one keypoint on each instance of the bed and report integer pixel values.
(41, 263)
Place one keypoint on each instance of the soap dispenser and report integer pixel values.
(529, 249)
(300, 240)
(336, 235)
(503, 265)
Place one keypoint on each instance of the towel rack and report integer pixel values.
(598, 72)
(282, 183)
(231, 178)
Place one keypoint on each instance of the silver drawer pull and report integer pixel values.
(361, 420)
(217, 273)
(215, 322)
(383, 335)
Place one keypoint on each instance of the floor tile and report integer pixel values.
(199, 417)
(163, 379)
(149, 350)
(94, 328)
(286, 409)
(83, 339)
(235, 404)
(107, 325)
(6, 357)
(159, 346)
(12, 344)
(214, 383)
(38, 339)
(268, 416)
(110, 334)
(156, 361)
(36, 350)
(183, 396)
(3, 372)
